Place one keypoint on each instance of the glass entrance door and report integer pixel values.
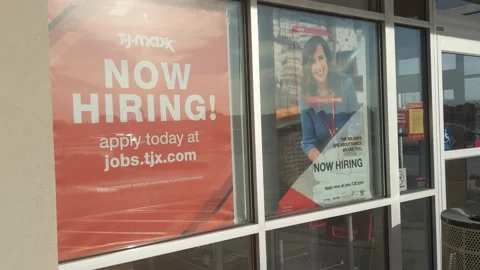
(460, 115)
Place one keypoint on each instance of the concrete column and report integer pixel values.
(27, 185)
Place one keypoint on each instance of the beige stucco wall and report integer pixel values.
(27, 188)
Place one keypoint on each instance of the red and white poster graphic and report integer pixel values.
(339, 175)
(142, 122)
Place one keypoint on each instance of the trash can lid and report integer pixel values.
(466, 216)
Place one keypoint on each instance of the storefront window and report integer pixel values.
(461, 99)
(462, 181)
(149, 121)
(356, 241)
(370, 5)
(417, 235)
(320, 106)
(229, 255)
(413, 117)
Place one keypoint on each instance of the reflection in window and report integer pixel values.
(417, 235)
(450, 4)
(472, 65)
(462, 102)
(471, 88)
(412, 108)
(449, 61)
(462, 181)
(320, 102)
(449, 94)
(229, 255)
(473, 15)
(458, 8)
(325, 244)
(409, 66)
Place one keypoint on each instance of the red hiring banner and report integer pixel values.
(141, 122)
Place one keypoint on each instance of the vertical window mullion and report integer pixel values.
(254, 69)
(392, 159)
(437, 133)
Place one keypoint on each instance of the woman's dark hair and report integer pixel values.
(309, 86)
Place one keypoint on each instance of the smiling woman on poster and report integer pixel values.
(327, 100)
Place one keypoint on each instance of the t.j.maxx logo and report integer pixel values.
(145, 41)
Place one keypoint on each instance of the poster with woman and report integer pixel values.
(322, 73)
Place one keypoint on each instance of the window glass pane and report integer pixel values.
(472, 66)
(149, 126)
(324, 244)
(229, 255)
(459, 8)
(417, 235)
(415, 9)
(462, 181)
(413, 118)
(449, 61)
(461, 102)
(371, 5)
(320, 102)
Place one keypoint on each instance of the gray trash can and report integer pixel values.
(461, 238)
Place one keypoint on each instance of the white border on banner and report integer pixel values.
(242, 202)
(232, 136)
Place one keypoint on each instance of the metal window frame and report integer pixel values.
(310, 5)
(254, 72)
(162, 248)
(260, 227)
(457, 44)
(454, 35)
(450, 38)
(390, 87)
